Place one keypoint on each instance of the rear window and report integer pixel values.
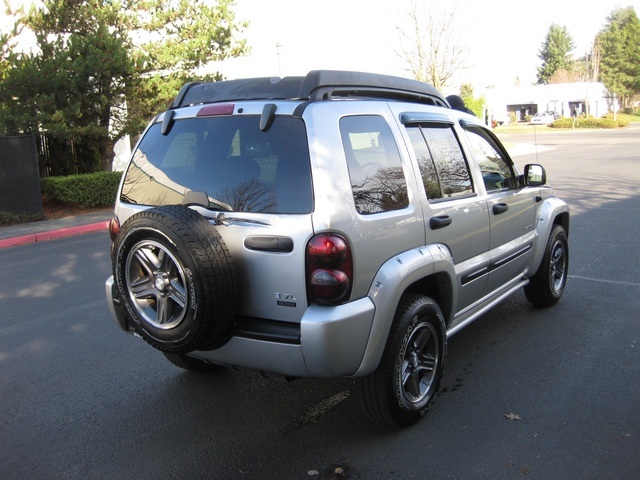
(238, 166)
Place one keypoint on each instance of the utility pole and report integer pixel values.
(278, 47)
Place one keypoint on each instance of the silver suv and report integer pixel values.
(337, 224)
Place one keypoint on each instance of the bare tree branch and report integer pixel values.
(432, 47)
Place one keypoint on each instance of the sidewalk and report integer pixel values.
(22, 234)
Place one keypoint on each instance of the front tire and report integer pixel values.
(547, 286)
(400, 391)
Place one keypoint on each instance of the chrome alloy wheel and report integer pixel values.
(420, 363)
(558, 267)
(156, 282)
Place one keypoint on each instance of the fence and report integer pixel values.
(65, 157)
(19, 175)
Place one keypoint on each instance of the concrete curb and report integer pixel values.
(54, 234)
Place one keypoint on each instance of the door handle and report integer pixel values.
(499, 208)
(440, 221)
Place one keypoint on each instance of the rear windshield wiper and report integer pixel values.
(201, 199)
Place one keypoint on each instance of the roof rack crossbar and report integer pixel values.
(328, 93)
(315, 86)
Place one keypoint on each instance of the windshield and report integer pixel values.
(236, 165)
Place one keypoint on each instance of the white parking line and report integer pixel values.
(602, 280)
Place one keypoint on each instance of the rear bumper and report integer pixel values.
(332, 342)
(113, 302)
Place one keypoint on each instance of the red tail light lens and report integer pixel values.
(329, 269)
(114, 228)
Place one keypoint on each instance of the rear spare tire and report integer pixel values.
(176, 279)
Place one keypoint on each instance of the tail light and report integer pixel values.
(114, 228)
(329, 269)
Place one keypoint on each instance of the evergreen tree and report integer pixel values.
(103, 68)
(618, 44)
(555, 53)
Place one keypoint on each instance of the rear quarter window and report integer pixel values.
(375, 169)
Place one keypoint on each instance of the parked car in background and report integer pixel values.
(543, 118)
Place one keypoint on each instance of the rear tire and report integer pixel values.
(547, 286)
(400, 391)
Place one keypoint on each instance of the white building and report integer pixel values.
(566, 99)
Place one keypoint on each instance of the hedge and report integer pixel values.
(87, 190)
(605, 122)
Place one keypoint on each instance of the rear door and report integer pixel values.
(455, 214)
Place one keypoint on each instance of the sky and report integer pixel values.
(503, 37)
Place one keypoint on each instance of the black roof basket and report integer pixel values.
(316, 85)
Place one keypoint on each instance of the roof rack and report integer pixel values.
(315, 86)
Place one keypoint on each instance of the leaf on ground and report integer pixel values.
(512, 416)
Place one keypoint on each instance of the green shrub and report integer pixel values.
(608, 123)
(562, 123)
(87, 190)
(580, 122)
(7, 218)
(620, 120)
(623, 122)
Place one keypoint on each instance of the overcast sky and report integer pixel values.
(503, 36)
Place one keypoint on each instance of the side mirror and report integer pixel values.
(534, 175)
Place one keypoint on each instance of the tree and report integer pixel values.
(562, 75)
(103, 68)
(432, 48)
(476, 105)
(618, 44)
(555, 53)
(7, 41)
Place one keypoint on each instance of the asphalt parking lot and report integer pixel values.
(526, 393)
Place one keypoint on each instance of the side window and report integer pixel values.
(377, 178)
(496, 171)
(443, 168)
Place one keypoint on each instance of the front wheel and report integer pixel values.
(547, 286)
(399, 392)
